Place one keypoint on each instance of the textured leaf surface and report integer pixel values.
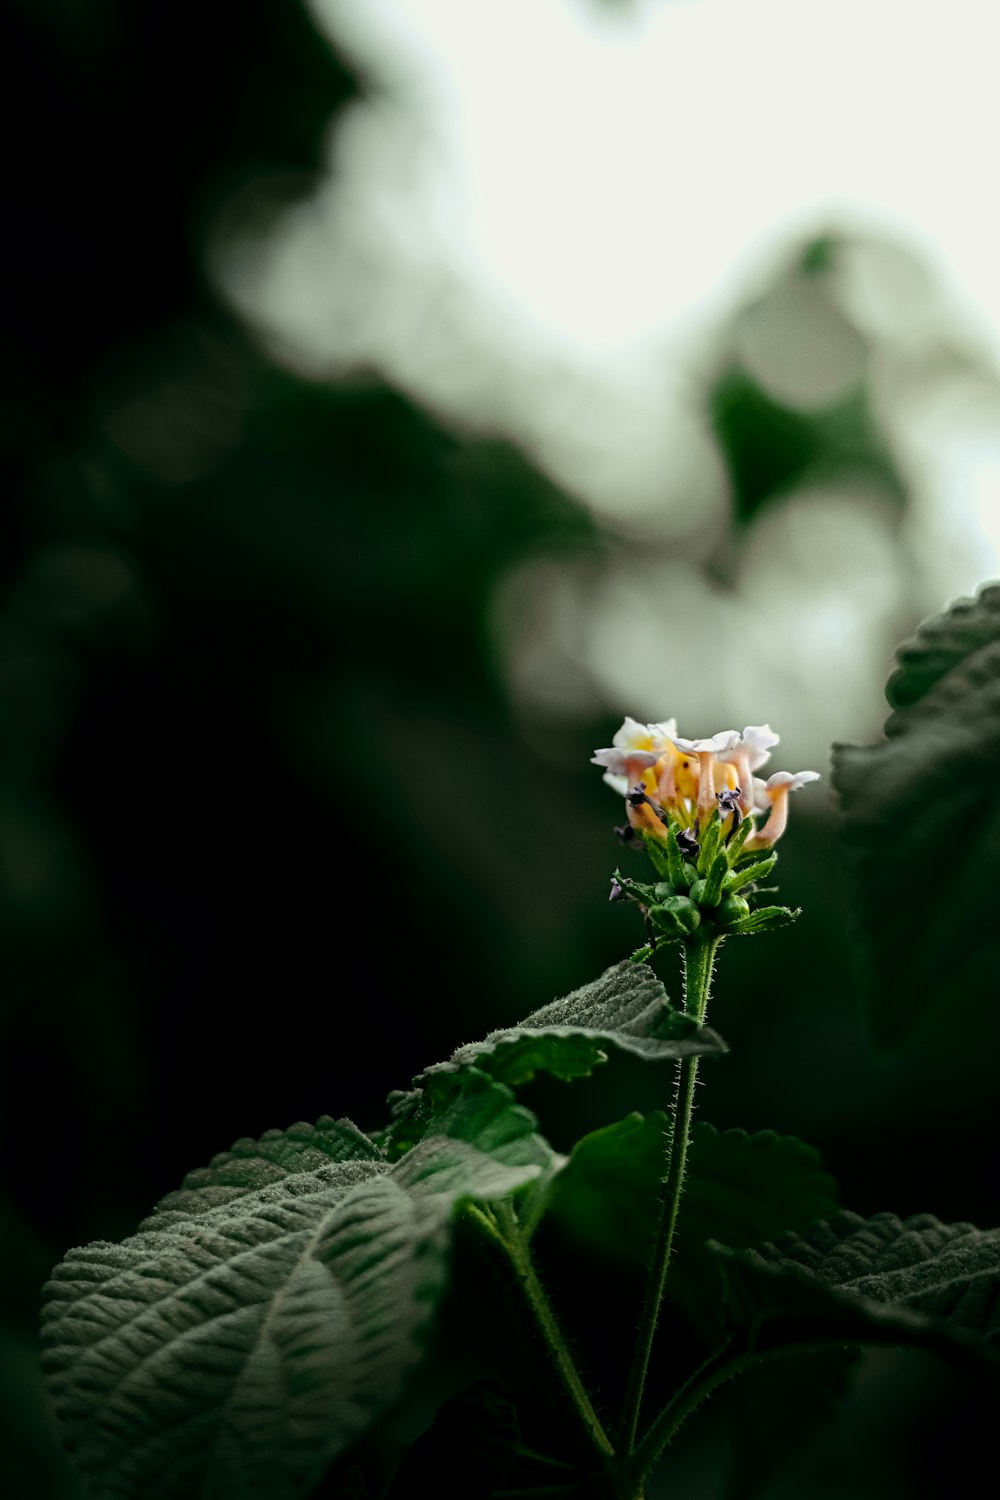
(251, 1164)
(866, 1281)
(233, 1347)
(626, 1010)
(922, 823)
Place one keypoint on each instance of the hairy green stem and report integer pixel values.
(520, 1258)
(699, 954)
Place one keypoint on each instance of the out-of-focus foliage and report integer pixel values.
(921, 816)
(255, 730)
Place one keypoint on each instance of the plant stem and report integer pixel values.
(520, 1257)
(699, 953)
(720, 1367)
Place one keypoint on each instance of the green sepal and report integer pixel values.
(739, 837)
(765, 919)
(718, 870)
(737, 879)
(636, 890)
(708, 841)
(675, 860)
(658, 854)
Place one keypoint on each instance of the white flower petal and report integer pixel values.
(618, 761)
(632, 735)
(724, 740)
(756, 743)
(786, 779)
(665, 731)
(618, 784)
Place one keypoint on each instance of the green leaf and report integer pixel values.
(607, 1193)
(739, 1188)
(778, 1406)
(467, 1453)
(249, 1333)
(626, 1010)
(922, 824)
(941, 644)
(871, 1281)
(251, 1164)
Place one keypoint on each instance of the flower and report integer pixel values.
(751, 751)
(707, 750)
(666, 778)
(634, 749)
(715, 745)
(773, 794)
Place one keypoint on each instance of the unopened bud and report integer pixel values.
(678, 916)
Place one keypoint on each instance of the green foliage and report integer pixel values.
(778, 1406)
(881, 1280)
(264, 1316)
(741, 1189)
(468, 1453)
(625, 1010)
(922, 824)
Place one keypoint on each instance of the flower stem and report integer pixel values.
(699, 953)
(520, 1257)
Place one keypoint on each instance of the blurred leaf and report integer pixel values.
(467, 1453)
(607, 1193)
(626, 1010)
(739, 1188)
(777, 1407)
(881, 1280)
(247, 1334)
(922, 824)
(941, 644)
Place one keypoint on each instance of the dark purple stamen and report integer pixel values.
(687, 843)
(626, 833)
(617, 894)
(636, 797)
(728, 801)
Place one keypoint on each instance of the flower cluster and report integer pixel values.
(665, 778)
(695, 805)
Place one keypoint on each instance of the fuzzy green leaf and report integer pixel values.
(922, 823)
(871, 1281)
(251, 1164)
(238, 1343)
(626, 1010)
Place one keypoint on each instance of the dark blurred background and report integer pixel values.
(297, 696)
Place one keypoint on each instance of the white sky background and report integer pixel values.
(540, 221)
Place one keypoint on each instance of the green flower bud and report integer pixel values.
(733, 909)
(678, 916)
